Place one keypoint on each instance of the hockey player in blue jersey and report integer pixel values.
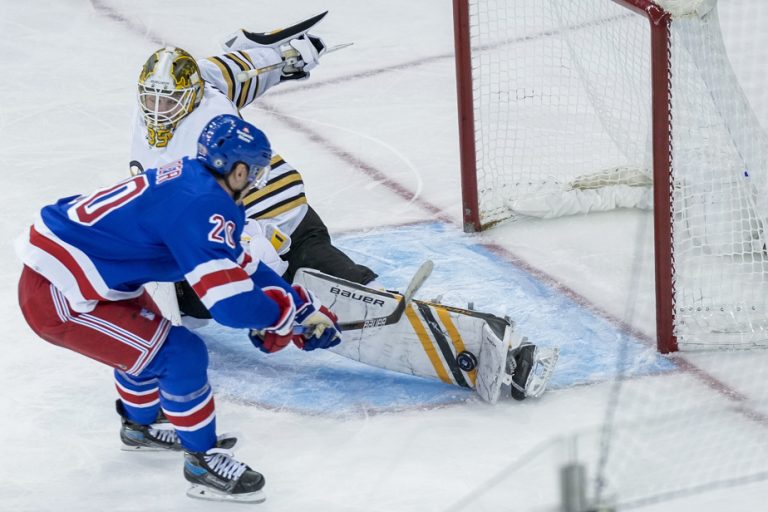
(86, 259)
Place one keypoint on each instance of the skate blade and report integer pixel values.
(201, 492)
(147, 449)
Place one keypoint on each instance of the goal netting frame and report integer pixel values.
(680, 322)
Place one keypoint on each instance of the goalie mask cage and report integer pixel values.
(572, 106)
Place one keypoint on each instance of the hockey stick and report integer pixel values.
(243, 76)
(417, 280)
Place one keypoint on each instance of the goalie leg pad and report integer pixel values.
(457, 346)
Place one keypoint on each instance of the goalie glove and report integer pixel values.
(255, 243)
(319, 325)
(300, 56)
(279, 240)
(277, 337)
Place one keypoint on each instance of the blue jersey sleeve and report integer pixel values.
(204, 240)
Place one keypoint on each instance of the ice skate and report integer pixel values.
(159, 436)
(529, 370)
(217, 475)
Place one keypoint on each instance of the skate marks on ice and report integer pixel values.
(465, 272)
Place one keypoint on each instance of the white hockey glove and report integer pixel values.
(300, 56)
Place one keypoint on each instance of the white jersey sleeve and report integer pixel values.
(222, 70)
(183, 142)
(281, 201)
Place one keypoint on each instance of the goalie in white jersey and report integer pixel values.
(178, 95)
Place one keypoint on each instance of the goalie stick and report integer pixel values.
(417, 280)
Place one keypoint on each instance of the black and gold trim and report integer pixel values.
(283, 192)
(230, 64)
(441, 342)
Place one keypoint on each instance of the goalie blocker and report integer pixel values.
(458, 346)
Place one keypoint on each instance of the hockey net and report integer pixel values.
(591, 105)
(572, 107)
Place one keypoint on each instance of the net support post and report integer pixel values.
(573, 480)
(661, 106)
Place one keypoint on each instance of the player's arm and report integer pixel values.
(240, 292)
(289, 59)
(222, 70)
(237, 291)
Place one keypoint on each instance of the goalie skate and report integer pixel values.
(528, 370)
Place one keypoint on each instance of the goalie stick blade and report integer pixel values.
(275, 37)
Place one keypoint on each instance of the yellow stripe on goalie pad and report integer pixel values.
(426, 343)
(458, 343)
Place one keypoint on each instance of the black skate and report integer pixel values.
(531, 369)
(216, 475)
(524, 359)
(159, 436)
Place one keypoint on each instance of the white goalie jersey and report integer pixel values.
(222, 94)
(280, 200)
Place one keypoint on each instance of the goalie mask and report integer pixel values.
(170, 88)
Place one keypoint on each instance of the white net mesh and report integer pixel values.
(562, 105)
(562, 97)
(547, 112)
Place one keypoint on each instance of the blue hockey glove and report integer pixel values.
(318, 325)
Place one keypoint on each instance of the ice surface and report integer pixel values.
(374, 134)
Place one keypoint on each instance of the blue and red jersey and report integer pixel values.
(167, 224)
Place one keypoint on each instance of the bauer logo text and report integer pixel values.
(357, 296)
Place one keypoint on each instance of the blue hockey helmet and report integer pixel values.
(227, 140)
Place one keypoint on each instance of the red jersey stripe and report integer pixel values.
(218, 278)
(193, 419)
(66, 259)
(134, 399)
